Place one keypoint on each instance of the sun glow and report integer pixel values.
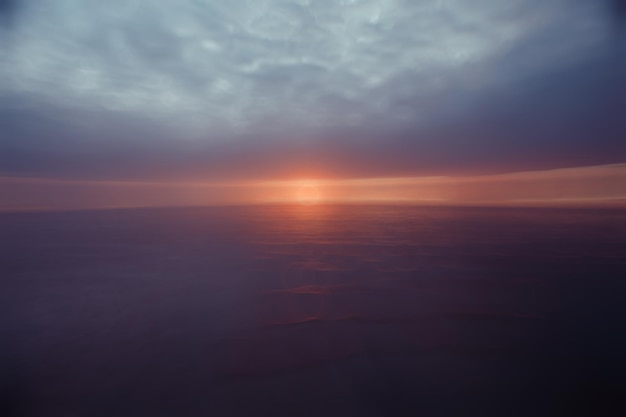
(307, 192)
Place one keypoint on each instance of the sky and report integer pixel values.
(212, 91)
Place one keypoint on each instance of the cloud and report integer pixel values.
(236, 67)
(268, 88)
(7, 9)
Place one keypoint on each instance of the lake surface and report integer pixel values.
(313, 310)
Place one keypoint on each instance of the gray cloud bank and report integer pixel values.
(199, 87)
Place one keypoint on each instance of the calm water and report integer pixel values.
(313, 311)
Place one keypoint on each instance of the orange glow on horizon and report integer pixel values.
(308, 193)
(595, 185)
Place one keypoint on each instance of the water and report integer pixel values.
(313, 311)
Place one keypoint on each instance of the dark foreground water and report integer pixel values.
(313, 311)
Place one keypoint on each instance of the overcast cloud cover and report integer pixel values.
(137, 88)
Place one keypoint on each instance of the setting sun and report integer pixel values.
(307, 193)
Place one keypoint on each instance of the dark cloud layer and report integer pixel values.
(8, 10)
(8, 7)
(210, 89)
(619, 10)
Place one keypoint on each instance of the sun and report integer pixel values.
(308, 194)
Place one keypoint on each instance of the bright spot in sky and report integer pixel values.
(308, 194)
